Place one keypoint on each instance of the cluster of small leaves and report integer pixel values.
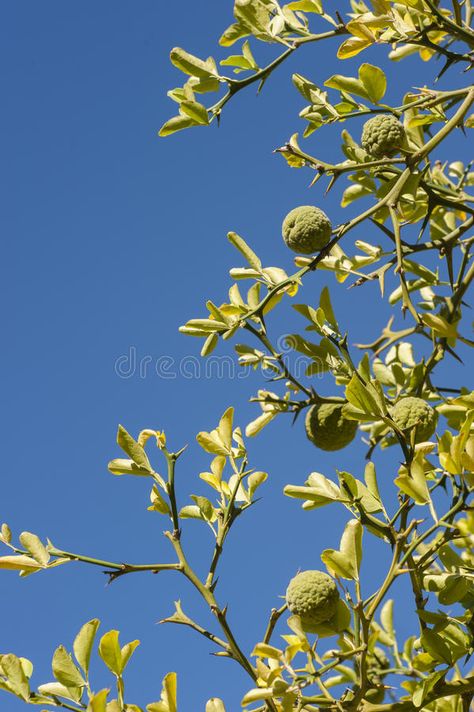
(226, 443)
(407, 26)
(71, 688)
(235, 494)
(32, 557)
(370, 85)
(434, 197)
(414, 205)
(226, 319)
(265, 20)
(413, 195)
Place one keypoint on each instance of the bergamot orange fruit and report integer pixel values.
(410, 413)
(313, 596)
(383, 135)
(327, 428)
(306, 229)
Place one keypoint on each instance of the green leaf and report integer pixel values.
(256, 694)
(370, 477)
(354, 192)
(158, 503)
(135, 451)
(114, 706)
(176, 123)
(317, 492)
(363, 397)
(127, 651)
(215, 705)
(57, 690)
(347, 84)
(203, 86)
(247, 53)
(6, 534)
(254, 481)
(258, 424)
(233, 33)
(120, 466)
(97, 703)
(205, 507)
(236, 60)
(326, 306)
(190, 511)
(209, 345)
(253, 16)
(352, 46)
(435, 646)
(346, 562)
(110, 652)
(170, 691)
(206, 325)
(189, 64)
(263, 650)
(195, 111)
(440, 325)
(212, 442)
(225, 428)
(19, 563)
(64, 670)
(374, 81)
(386, 618)
(17, 680)
(413, 483)
(83, 643)
(316, 316)
(425, 687)
(358, 491)
(245, 250)
(35, 547)
(307, 6)
(454, 591)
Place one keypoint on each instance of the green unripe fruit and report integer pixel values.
(383, 135)
(313, 596)
(327, 428)
(411, 413)
(306, 229)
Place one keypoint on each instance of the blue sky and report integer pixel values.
(112, 238)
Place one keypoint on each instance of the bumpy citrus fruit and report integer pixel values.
(306, 229)
(327, 428)
(411, 413)
(383, 135)
(313, 596)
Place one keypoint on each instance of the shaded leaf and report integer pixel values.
(64, 669)
(346, 561)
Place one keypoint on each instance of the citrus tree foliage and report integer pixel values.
(339, 649)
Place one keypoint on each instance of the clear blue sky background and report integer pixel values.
(111, 239)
